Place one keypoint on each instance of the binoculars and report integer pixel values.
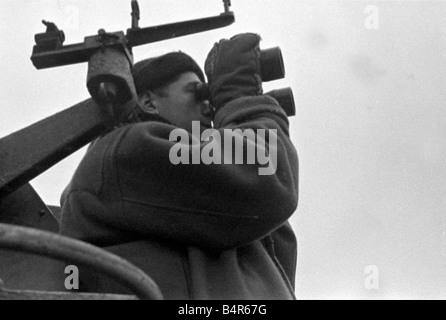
(271, 68)
(109, 79)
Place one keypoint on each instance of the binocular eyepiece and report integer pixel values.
(271, 68)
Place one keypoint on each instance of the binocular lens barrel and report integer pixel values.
(271, 64)
(285, 98)
(272, 68)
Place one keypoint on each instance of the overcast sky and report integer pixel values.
(369, 83)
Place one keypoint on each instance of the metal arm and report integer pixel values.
(49, 51)
(47, 142)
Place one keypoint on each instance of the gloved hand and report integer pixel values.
(233, 69)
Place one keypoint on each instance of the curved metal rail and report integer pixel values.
(74, 251)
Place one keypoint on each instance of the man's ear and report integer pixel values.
(146, 103)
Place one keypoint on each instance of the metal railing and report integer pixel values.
(77, 252)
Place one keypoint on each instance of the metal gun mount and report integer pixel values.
(108, 55)
(49, 50)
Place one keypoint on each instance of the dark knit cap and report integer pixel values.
(154, 73)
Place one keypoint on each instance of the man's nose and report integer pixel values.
(205, 109)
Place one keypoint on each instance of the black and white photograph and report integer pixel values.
(242, 151)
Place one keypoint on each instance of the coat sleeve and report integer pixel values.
(218, 206)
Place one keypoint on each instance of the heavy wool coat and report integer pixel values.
(214, 231)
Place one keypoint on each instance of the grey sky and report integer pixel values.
(370, 127)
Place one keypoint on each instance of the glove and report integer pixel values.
(233, 69)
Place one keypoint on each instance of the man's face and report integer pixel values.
(178, 103)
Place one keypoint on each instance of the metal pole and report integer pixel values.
(227, 4)
(135, 14)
